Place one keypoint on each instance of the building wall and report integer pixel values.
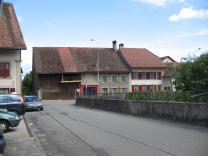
(14, 80)
(51, 88)
(90, 80)
(157, 82)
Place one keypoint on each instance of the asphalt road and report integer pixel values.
(64, 129)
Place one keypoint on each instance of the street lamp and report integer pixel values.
(98, 69)
(196, 50)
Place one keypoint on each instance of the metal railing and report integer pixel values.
(178, 96)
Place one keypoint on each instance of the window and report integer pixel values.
(113, 79)
(4, 90)
(144, 88)
(123, 91)
(167, 89)
(143, 75)
(135, 75)
(123, 79)
(114, 91)
(2, 99)
(4, 69)
(152, 75)
(105, 90)
(104, 79)
(136, 88)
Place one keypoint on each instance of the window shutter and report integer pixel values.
(140, 88)
(132, 88)
(148, 75)
(155, 75)
(132, 76)
(159, 75)
(140, 75)
(101, 79)
(148, 87)
(127, 79)
(119, 78)
(5, 69)
(155, 88)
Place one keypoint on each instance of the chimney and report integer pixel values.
(121, 45)
(114, 46)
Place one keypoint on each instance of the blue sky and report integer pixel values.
(174, 28)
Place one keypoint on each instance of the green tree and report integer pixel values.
(27, 84)
(192, 74)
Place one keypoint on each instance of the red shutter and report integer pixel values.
(140, 75)
(155, 75)
(140, 88)
(12, 90)
(132, 76)
(4, 69)
(132, 88)
(155, 88)
(148, 75)
(159, 75)
(148, 87)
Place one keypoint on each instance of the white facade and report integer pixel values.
(14, 80)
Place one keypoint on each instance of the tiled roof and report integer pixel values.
(162, 58)
(10, 33)
(72, 60)
(109, 61)
(141, 58)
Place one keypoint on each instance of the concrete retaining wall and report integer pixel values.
(193, 113)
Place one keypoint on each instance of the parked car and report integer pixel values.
(13, 103)
(2, 141)
(33, 103)
(8, 119)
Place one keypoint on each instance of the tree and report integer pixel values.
(27, 84)
(192, 74)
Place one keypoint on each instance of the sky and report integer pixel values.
(175, 28)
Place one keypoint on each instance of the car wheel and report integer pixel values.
(15, 112)
(41, 109)
(4, 126)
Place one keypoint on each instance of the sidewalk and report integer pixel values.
(21, 141)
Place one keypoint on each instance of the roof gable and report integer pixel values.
(141, 58)
(10, 33)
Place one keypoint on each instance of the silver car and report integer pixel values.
(33, 103)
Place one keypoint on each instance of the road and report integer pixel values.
(64, 129)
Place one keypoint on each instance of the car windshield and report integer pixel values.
(32, 99)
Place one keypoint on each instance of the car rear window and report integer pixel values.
(2, 99)
(32, 99)
(13, 98)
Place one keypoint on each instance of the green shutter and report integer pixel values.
(110, 79)
(119, 78)
(127, 79)
(101, 79)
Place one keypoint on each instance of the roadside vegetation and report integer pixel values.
(27, 88)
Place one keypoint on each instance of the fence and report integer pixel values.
(178, 96)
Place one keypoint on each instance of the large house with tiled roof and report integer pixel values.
(146, 69)
(59, 71)
(11, 44)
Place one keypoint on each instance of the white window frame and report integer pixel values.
(104, 79)
(114, 79)
(123, 79)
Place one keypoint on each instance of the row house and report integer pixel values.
(11, 44)
(146, 69)
(59, 71)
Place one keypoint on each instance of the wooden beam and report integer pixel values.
(71, 81)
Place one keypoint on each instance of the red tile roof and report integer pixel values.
(109, 61)
(141, 58)
(72, 59)
(10, 33)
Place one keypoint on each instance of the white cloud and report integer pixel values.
(200, 33)
(158, 2)
(48, 23)
(19, 19)
(187, 13)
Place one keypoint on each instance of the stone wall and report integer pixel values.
(193, 113)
